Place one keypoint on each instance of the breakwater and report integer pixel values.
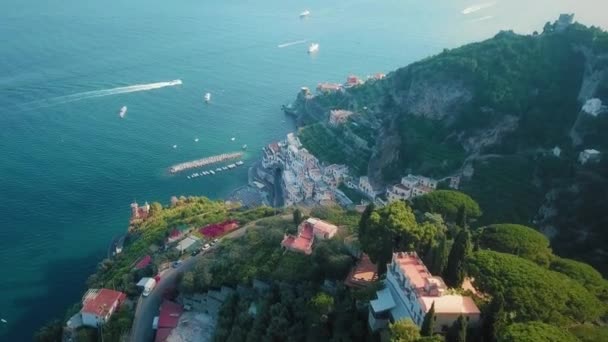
(205, 161)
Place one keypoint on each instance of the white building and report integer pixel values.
(589, 156)
(409, 292)
(366, 187)
(412, 186)
(398, 192)
(98, 305)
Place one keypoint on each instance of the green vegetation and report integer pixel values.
(458, 331)
(515, 239)
(448, 204)
(584, 274)
(404, 331)
(454, 273)
(328, 144)
(428, 324)
(531, 292)
(338, 216)
(590, 333)
(352, 194)
(535, 332)
(503, 185)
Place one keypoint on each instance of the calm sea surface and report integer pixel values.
(69, 166)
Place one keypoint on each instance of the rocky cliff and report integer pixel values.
(492, 112)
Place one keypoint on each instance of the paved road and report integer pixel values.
(147, 307)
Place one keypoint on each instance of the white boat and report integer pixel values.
(305, 14)
(3, 320)
(231, 166)
(174, 82)
(188, 177)
(174, 146)
(314, 47)
(195, 139)
(219, 169)
(244, 147)
(232, 139)
(224, 168)
(207, 97)
(123, 111)
(239, 163)
(212, 172)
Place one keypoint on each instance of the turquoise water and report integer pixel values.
(70, 166)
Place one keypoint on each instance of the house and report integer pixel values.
(308, 230)
(412, 186)
(352, 81)
(366, 187)
(339, 116)
(139, 213)
(186, 243)
(409, 292)
(143, 262)
(398, 192)
(168, 319)
(325, 88)
(98, 305)
(363, 274)
(589, 156)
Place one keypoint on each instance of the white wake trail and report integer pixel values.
(100, 93)
(280, 46)
(487, 17)
(477, 8)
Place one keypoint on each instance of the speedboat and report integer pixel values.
(195, 139)
(305, 14)
(174, 146)
(314, 47)
(239, 163)
(207, 97)
(212, 172)
(219, 169)
(245, 147)
(224, 168)
(123, 111)
(232, 139)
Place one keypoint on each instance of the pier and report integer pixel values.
(205, 161)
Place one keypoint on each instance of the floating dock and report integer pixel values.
(205, 161)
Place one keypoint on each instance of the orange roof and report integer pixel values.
(101, 302)
(449, 304)
(322, 226)
(363, 273)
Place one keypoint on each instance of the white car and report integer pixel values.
(206, 247)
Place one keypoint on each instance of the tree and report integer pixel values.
(458, 331)
(155, 208)
(297, 217)
(438, 256)
(532, 292)
(51, 332)
(322, 303)
(455, 272)
(494, 319)
(187, 283)
(516, 239)
(403, 331)
(461, 217)
(535, 332)
(428, 323)
(364, 221)
(448, 203)
(584, 274)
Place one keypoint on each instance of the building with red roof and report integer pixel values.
(139, 213)
(308, 230)
(143, 262)
(410, 292)
(98, 305)
(363, 274)
(168, 319)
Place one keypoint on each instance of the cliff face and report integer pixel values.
(491, 112)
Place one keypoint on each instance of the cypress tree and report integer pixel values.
(461, 217)
(428, 323)
(454, 273)
(364, 221)
(458, 331)
(495, 319)
(439, 256)
(297, 217)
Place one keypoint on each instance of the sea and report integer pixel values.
(70, 166)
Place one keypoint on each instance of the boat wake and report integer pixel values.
(55, 101)
(477, 8)
(280, 46)
(487, 17)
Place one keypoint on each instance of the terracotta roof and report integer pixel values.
(364, 273)
(169, 314)
(450, 304)
(162, 334)
(322, 226)
(101, 302)
(413, 268)
(144, 262)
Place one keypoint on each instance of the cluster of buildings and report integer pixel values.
(138, 213)
(410, 186)
(303, 179)
(351, 81)
(308, 230)
(410, 291)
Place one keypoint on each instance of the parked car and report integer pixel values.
(176, 264)
(195, 252)
(206, 247)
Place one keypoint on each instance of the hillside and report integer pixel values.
(491, 112)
